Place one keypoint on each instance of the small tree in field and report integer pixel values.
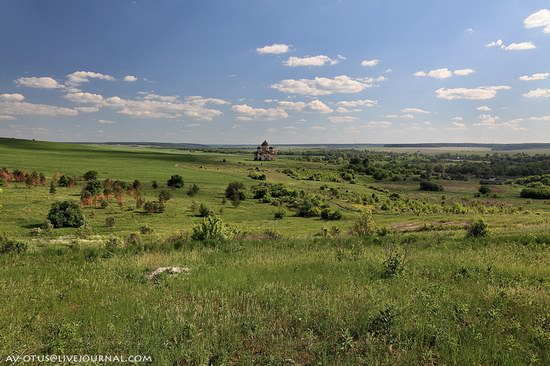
(365, 226)
(53, 190)
(154, 184)
(165, 195)
(90, 175)
(66, 214)
(175, 181)
(484, 189)
(235, 191)
(193, 190)
(478, 228)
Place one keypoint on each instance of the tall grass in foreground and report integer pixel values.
(417, 299)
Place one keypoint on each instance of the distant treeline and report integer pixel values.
(496, 147)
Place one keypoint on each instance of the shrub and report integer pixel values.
(394, 264)
(365, 225)
(235, 191)
(193, 190)
(539, 193)
(136, 185)
(153, 207)
(133, 240)
(90, 175)
(328, 214)
(66, 214)
(145, 230)
(8, 245)
(93, 186)
(165, 195)
(175, 181)
(426, 185)
(204, 211)
(211, 228)
(478, 228)
(53, 190)
(279, 214)
(113, 242)
(309, 207)
(484, 189)
(154, 184)
(110, 222)
(257, 176)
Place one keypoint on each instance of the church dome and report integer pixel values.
(265, 143)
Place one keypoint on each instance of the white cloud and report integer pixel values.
(4, 117)
(487, 120)
(79, 77)
(513, 46)
(44, 82)
(540, 19)
(105, 122)
(415, 110)
(87, 109)
(378, 124)
(324, 86)
(11, 97)
(405, 116)
(247, 113)
(469, 31)
(534, 77)
(162, 98)
(290, 128)
(457, 125)
(444, 73)
(342, 119)
(357, 103)
(541, 118)
(320, 60)
(479, 93)
(370, 63)
(483, 108)
(318, 128)
(130, 78)
(274, 49)
(85, 98)
(313, 106)
(24, 108)
(538, 93)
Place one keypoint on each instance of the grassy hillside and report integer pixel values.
(418, 292)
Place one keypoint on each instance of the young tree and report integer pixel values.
(165, 195)
(193, 190)
(235, 191)
(66, 214)
(154, 184)
(175, 181)
(90, 175)
(53, 190)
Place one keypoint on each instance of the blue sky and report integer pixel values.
(289, 71)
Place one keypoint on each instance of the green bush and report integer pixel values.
(90, 175)
(235, 191)
(153, 207)
(165, 195)
(193, 190)
(478, 228)
(365, 225)
(279, 214)
(484, 189)
(211, 228)
(426, 185)
(539, 193)
(328, 214)
(8, 245)
(205, 211)
(66, 214)
(175, 181)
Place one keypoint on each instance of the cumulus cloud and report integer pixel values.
(44, 82)
(24, 108)
(404, 116)
(357, 103)
(540, 19)
(84, 98)
(162, 98)
(513, 46)
(130, 78)
(274, 49)
(457, 124)
(444, 73)
(4, 117)
(324, 86)
(483, 108)
(378, 124)
(538, 93)
(318, 128)
(313, 106)
(342, 119)
(541, 118)
(105, 122)
(11, 97)
(479, 93)
(320, 60)
(534, 77)
(87, 109)
(80, 77)
(415, 110)
(247, 113)
(370, 63)
(487, 120)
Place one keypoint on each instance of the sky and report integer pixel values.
(289, 71)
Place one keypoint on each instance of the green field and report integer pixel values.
(281, 292)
